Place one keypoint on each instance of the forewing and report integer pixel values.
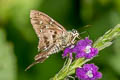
(47, 29)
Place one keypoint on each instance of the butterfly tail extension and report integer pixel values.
(40, 60)
(30, 66)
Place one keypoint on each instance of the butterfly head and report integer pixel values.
(75, 32)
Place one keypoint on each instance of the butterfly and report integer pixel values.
(53, 37)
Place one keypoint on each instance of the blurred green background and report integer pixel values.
(18, 41)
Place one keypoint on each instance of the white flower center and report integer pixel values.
(89, 74)
(72, 46)
(87, 49)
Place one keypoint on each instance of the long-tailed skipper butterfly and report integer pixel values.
(53, 37)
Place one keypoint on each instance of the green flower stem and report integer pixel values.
(77, 63)
(63, 72)
(102, 42)
(106, 40)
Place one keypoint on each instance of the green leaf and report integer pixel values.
(115, 58)
(106, 40)
(7, 59)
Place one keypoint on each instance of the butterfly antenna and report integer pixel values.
(85, 32)
(30, 66)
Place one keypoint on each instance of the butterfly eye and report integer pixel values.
(74, 31)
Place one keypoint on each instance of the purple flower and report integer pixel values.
(68, 50)
(83, 48)
(88, 72)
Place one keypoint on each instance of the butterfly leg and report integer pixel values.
(73, 41)
(79, 37)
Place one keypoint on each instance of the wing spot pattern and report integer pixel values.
(51, 22)
(47, 44)
(55, 32)
(53, 36)
(46, 26)
(41, 22)
(51, 31)
(40, 30)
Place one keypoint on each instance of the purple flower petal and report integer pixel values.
(93, 53)
(80, 73)
(88, 72)
(84, 42)
(88, 41)
(98, 75)
(68, 50)
(80, 55)
(70, 55)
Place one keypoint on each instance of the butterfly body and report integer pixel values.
(53, 37)
(60, 44)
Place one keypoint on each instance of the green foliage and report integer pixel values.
(114, 61)
(7, 59)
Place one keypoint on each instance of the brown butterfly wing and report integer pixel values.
(46, 29)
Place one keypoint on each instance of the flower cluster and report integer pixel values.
(83, 48)
(88, 72)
